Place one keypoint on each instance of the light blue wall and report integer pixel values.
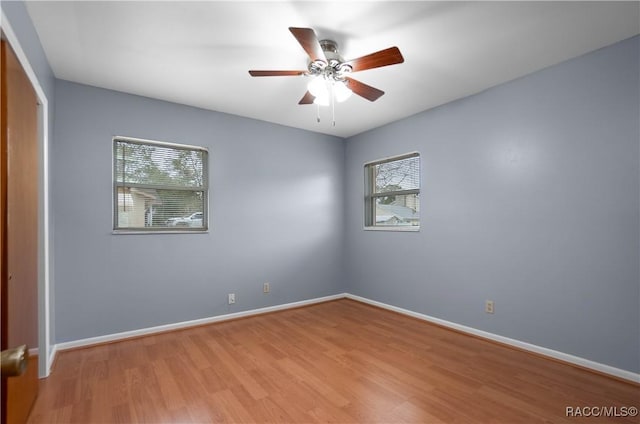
(276, 203)
(20, 22)
(530, 197)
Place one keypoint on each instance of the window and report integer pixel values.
(159, 186)
(392, 193)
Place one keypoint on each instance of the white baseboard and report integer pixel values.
(565, 357)
(43, 364)
(186, 324)
(52, 358)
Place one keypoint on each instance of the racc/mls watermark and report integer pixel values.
(601, 411)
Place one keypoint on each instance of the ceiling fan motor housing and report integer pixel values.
(329, 47)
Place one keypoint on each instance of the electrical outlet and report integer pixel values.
(488, 306)
(232, 298)
(266, 288)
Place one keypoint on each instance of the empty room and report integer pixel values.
(320, 211)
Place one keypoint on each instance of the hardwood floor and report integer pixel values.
(340, 361)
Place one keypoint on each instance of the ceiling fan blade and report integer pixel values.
(363, 90)
(309, 42)
(386, 57)
(307, 99)
(276, 73)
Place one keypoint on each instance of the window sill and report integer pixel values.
(399, 229)
(125, 232)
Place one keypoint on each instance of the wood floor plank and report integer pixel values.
(340, 361)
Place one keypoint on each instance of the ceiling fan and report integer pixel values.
(331, 71)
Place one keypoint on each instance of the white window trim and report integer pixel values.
(159, 230)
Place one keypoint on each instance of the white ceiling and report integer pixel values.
(198, 53)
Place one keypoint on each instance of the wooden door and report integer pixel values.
(19, 206)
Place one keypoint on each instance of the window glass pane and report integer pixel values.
(403, 174)
(158, 165)
(138, 208)
(400, 210)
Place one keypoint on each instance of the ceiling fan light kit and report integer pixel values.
(330, 72)
(323, 89)
(329, 81)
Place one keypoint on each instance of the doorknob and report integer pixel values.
(14, 361)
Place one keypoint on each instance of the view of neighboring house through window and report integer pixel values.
(159, 186)
(392, 193)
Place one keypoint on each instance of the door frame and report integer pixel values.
(46, 351)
